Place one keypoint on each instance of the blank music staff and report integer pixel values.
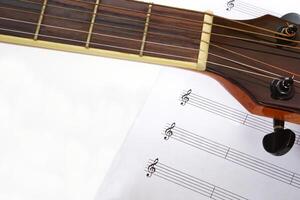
(180, 178)
(258, 165)
(249, 120)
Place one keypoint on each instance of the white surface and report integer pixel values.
(63, 116)
(204, 144)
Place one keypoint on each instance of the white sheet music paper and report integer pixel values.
(193, 140)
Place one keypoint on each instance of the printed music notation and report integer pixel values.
(233, 155)
(247, 8)
(230, 5)
(199, 156)
(230, 113)
(189, 182)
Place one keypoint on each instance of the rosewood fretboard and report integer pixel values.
(249, 54)
(117, 25)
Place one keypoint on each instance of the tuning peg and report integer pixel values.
(282, 88)
(280, 141)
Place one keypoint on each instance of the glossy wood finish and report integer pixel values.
(173, 33)
(119, 25)
(256, 87)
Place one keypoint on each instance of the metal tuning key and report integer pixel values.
(282, 88)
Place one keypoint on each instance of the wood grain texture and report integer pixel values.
(173, 34)
(257, 87)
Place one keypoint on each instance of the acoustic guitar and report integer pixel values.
(257, 60)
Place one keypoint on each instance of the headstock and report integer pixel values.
(252, 55)
(258, 61)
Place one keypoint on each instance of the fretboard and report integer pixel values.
(114, 28)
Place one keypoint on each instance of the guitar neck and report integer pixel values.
(112, 28)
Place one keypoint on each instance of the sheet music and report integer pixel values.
(193, 140)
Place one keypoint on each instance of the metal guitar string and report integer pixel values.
(153, 14)
(156, 53)
(137, 40)
(177, 18)
(136, 50)
(156, 26)
(253, 59)
(172, 35)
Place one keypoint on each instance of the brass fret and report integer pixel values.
(146, 30)
(87, 45)
(205, 40)
(37, 31)
(97, 52)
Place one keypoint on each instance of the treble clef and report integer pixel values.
(230, 5)
(169, 132)
(151, 168)
(185, 98)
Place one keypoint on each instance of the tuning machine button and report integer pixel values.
(280, 141)
(282, 88)
(289, 30)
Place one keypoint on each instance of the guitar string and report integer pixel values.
(219, 64)
(157, 44)
(150, 52)
(107, 35)
(189, 48)
(155, 14)
(100, 34)
(185, 29)
(119, 8)
(253, 59)
(118, 27)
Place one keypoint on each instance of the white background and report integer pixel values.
(63, 116)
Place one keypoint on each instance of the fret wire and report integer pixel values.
(100, 34)
(103, 45)
(40, 20)
(156, 14)
(146, 30)
(120, 8)
(92, 23)
(193, 11)
(112, 26)
(195, 30)
(188, 58)
(136, 50)
(179, 18)
(155, 53)
(87, 12)
(180, 28)
(105, 35)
